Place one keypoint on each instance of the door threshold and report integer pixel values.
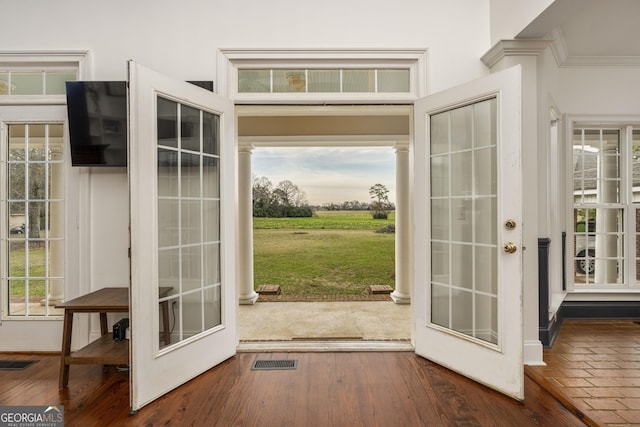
(323, 346)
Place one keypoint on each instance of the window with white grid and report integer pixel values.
(35, 207)
(606, 199)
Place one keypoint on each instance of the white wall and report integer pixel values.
(599, 90)
(180, 39)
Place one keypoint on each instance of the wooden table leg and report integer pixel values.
(103, 324)
(166, 333)
(66, 348)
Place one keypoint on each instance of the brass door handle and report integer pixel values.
(510, 248)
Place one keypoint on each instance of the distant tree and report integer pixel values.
(262, 196)
(380, 205)
(285, 200)
(290, 194)
(37, 189)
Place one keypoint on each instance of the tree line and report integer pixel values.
(288, 200)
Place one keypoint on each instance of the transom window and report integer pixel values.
(35, 82)
(320, 76)
(364, 80)
(606, 207)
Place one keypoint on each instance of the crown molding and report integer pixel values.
(563, 59)
(522, 47)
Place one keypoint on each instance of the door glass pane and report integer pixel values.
(462, 312)
(190, 175)
(188, 221)
(212, 303)
(211, 260)
(464, 217)
(167, 173)
(461, 173)
(440, 301)
(440, 219)
(210, 125)
(167, 122)
(440, 176)
(189, 128)
(192, 308)
(210, 177)
(461, 128)
(440, 262)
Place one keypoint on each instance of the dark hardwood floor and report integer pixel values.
(326, 389)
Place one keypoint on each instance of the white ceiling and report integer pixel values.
(591, 32)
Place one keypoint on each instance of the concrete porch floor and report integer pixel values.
(325, 325)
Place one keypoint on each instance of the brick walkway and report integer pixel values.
(316, 298)
(594, 369)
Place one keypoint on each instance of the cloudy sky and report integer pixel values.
(331, 174)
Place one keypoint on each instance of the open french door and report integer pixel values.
(468, 213)
(182, 183)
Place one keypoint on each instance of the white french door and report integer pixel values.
(468, 247)
(182, 183)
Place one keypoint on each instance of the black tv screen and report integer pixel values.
(97, 113)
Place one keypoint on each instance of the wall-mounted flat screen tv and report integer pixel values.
(97, 113)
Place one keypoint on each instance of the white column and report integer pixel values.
(246, 294)
(402, 293)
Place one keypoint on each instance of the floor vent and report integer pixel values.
(15, 365)
(274, 364)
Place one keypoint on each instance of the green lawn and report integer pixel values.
(36, 270)
(332, 253)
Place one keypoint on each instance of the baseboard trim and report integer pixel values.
(533, 353)
(600, 310)
(549, 333)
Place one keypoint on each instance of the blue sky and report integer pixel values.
(329, 174)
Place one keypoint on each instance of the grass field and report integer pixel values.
(333, 253)
(325, 220)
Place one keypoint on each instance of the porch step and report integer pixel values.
(269, 290)
(380, 289)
